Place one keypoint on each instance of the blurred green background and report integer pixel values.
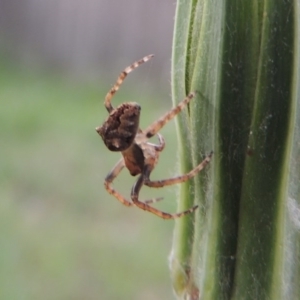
(61, 235)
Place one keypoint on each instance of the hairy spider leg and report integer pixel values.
(179, 179)
(109, 179)
(120, 80)
(157, 125)
(108, 185)
(135, 198)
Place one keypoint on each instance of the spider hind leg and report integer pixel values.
(108, 185)
(181, 178)
(144, 205)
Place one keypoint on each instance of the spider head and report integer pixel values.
(120, 128)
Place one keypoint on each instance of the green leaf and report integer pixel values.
(242, 57)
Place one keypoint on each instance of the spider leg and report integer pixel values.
(162, 143)
(160, 147)
(179, 179)
(154, 200)
(108, 185)
(109, 179)
(120, 80)
(135, 195)
(157, 125)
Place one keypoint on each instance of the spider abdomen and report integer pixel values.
(120, 128)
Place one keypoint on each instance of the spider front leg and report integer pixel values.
(157, 125)
(120, 80)
(135, 198)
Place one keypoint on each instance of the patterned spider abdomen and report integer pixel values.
(120, 128)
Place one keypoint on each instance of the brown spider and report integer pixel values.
(121, 132)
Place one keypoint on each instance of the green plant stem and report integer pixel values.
(243, 60)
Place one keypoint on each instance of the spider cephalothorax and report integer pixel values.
(121, 132)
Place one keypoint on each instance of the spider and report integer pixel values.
(121, 133)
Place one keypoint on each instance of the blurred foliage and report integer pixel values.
(62, 236)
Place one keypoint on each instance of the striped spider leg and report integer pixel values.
(121, 133)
